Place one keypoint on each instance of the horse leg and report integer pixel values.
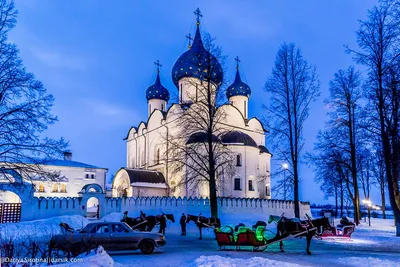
(281, 246)
(201, 236)
(309, 237)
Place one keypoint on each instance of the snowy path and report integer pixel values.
(371, 248)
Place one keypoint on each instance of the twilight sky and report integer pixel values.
(97, 58)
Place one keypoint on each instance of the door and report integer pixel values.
(122, 237)
(100, 235)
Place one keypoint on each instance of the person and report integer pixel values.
(142, 216)
(125, 215)
(163, 224)
(182, 221)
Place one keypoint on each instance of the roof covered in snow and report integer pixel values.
(145, 176)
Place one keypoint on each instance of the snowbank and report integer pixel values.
(39, 229)
(96, 258)
(361, 261)
(112, 217)
(218, 261)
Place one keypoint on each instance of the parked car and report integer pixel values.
(113, 236)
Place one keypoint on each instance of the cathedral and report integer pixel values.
(148, 169)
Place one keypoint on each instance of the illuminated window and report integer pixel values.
(63, 188)
(41, 187)
(55, 188)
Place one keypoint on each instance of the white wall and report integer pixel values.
(50, 207)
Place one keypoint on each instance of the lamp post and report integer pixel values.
(285, 166)
(368, 203)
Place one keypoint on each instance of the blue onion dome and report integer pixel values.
(157, 91)
(238, 87)
(196, 62)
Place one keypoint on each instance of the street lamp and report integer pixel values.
(368, 203)
(285, 166)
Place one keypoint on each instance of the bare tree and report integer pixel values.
(378, 40)
(196, 151)
(292, 86)
(24, 110)
(378, 170)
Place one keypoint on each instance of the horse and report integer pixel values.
(136, 223)
(202, 221)
(159, 219)
(297, 228)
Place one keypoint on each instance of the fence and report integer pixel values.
(41, 208)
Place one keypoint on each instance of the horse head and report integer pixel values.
(170, 217)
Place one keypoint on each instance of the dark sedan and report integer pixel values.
(113, 236)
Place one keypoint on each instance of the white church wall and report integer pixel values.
(241, 103)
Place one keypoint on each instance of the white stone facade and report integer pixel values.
(147, 143)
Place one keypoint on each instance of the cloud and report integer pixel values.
(58, 60)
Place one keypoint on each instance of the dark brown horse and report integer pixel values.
(136, 223)
(203, 222)
(297, 228)
(160, 219)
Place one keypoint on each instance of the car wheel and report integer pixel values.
(147, 247)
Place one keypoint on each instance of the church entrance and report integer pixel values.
(10, 207)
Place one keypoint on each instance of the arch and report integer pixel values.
(131, 133)
(92, 207)
(92, 188)
(155, 119)
(256, 125)
(121, 185)
(7, 196)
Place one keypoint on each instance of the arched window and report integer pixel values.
(267, 192)
(251, 188)
(237, 184)
(238, 160)
(158, 156)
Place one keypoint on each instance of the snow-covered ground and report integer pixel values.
(370, 246)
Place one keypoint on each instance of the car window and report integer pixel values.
(118, 228)
(100, 229)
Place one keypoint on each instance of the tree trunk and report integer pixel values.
(213, 197)
(383, 202)
(296, 192)
(341, 199)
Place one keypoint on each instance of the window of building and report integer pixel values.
(245, 109)
(251, 188)
(63, 188)
(267, 192)
(238, 160)
(55, 188)
(41, 187)
(237, 184)
(87, 175)
(158, 156)
(92, 176)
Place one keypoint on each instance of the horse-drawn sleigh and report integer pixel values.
(255, 238)
(342, 231)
